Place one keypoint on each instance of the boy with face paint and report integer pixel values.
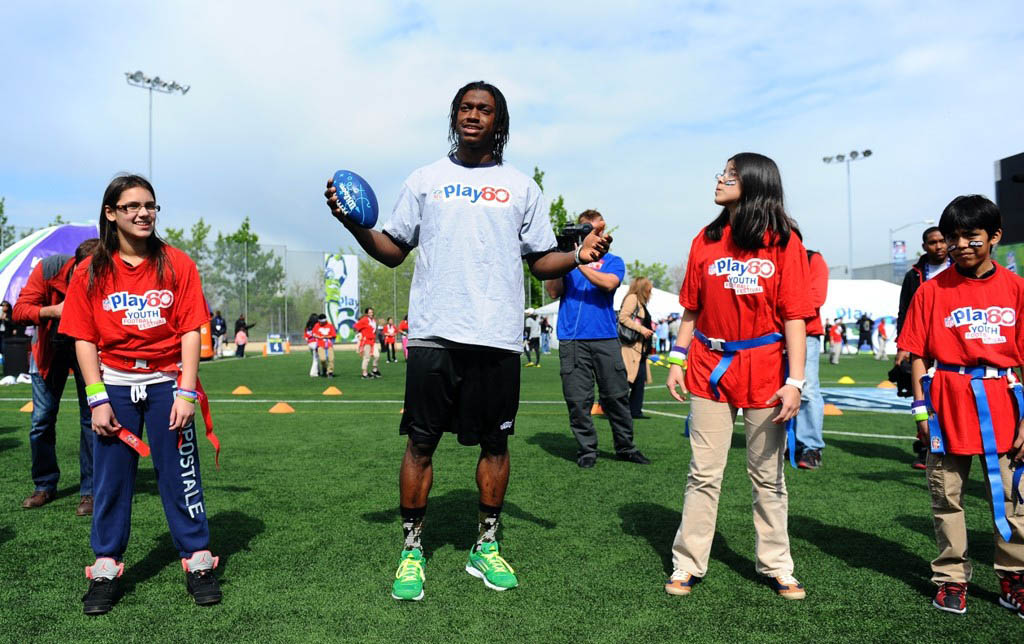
(967, 321)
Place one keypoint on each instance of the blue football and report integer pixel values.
(356, 198)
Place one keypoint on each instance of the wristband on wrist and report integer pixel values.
(579, 261)
(96, 395)
(921, 415)
(919, 410)
(187, 394)
(187, 399)
(677, 355)
(799, 384)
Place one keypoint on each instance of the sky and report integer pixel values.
(629, 108)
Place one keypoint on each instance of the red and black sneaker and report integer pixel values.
(1012, 592)
(952, 598)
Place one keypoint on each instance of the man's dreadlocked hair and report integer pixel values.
(500, 137)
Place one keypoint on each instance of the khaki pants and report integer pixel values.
(328, 359)
(711, 430)
(368, 351)
(947, 474)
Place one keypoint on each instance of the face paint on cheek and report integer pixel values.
(975, 244)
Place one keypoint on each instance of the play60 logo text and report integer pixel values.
(143, 311)
(982, 324)
(743, 277)
(485, 195)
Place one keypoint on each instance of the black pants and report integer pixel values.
(581, 363)
(636, 390)
(535, 347)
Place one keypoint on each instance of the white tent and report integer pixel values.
(848, 299)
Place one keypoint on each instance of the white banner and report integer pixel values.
(341, 293)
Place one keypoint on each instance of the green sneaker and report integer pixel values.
(409, 577)
(485, 563)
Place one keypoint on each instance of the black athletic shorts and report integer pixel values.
(473, 393)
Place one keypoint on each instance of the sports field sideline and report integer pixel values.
(303, 513)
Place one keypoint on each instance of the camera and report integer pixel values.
(572, 236)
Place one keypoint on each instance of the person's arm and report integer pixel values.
(30, 307)
(376, 244)
(796, 351)
(103, 421)
(676, 378)
(917, 371)
(554, 264)
(607, 282)
(182, 411)
(626, 312)
(555, 288)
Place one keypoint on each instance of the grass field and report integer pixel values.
(303, 513)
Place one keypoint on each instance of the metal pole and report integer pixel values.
(849, 215)
(394, 292)
(245, 264)
(150, 134)
(286, 292)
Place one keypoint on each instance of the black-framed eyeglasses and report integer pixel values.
(133, 208)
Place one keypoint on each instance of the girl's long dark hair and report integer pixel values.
(102, 265)
(500, 119)
(761, 207)
(311, 322)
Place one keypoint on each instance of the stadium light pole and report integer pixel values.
(925, 222)
(848, 158)
(139, 79)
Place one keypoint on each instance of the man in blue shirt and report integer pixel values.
(589, 349)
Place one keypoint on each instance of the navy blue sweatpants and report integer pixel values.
(177, 473)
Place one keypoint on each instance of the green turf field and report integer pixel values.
(304, 516)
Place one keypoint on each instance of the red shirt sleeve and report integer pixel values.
(191, 313)
(819, 280)
(689, 293)
(794, 299)
(77, 319)
(31, 299)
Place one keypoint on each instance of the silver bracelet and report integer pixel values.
(579, 262)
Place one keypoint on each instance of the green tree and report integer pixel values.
(385, 289)
(244, 277)
(6, 230)
(657, 272)
(195, 243)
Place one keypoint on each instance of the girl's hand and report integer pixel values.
(182, 413)
(676, 379)
(103, 421)
(922, 431)
(790, 398)
(647, 333)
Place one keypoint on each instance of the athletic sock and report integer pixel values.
(412, 526)
(489, 520)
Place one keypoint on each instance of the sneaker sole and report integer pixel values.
(795, 595)
(678, 592)
(1009, 606)
(97, 610)
(408, 599)
(948, 610)
(481, 576)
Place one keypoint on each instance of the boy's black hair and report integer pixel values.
(500, 119)
(970, 212)
(928, 231)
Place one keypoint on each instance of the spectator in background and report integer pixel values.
(366, 327)
(633, 315)
(311, 343)
(532, 338)
(390, 331)
(218, 329)
(882, 340)
(589, 350)
(827, 339)
(865, 325)
(545, 335)
(836, 337)
(673, 329)
(661, 333)
(810, 419)
(241, 335)
(403, 328)
(41, 303)
(325, 333)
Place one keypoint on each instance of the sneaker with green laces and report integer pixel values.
(487, 564)
(409, 578)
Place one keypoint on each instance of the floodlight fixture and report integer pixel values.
(854, 155)
(139, 79)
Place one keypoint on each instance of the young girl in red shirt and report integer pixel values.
(745, 298)
(135, 308)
